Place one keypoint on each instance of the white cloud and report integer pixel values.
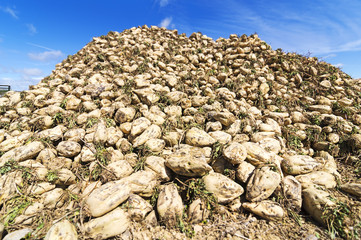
(165, 22)
(338, 65)
(10, 11)
(32, 71)
(163, 3)
(46, 56)
(31, 28)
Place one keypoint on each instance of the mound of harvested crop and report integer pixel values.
(150, 134)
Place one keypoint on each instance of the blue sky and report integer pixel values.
(37, 34)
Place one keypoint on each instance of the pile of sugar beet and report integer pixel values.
(150, 134)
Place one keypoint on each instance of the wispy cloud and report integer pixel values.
(31, 28)
(351, 46)
(339, 65)
(25, 71)
(9, 11)
(163, 3)
(290, 25)
(7, 79)
(166, 22)
(40, 46)
(46, 56)
(31, 71)
(332, 55)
